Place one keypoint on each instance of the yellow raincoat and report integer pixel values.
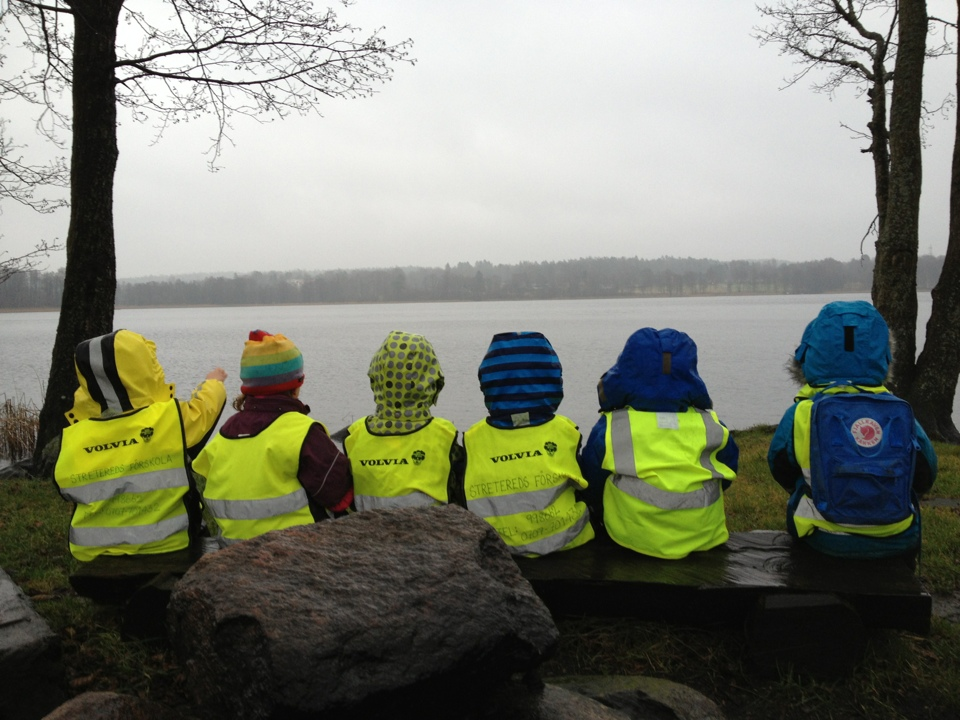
(124, 458)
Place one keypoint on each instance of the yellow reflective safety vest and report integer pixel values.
(664, 496)
(252, 484)
(522, 482)
(393, 471)
(128, 475)
(806, 517)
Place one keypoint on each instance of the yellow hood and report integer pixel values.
(118, 372)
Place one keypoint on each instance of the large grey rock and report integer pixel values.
(110, 706)
(32, 676)
(383, 613)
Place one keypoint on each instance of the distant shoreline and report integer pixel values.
(428, 302)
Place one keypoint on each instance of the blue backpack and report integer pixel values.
(862, 455)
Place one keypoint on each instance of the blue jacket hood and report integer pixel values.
(849, 342)
(656, 372)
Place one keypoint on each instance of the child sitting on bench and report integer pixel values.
(401, 455)
(522, 474)
(659, 459)
(125, 456)
(848, 451)
(271, 466)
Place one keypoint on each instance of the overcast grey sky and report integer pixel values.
(534, 130)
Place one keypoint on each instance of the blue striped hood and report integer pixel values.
(521, 379)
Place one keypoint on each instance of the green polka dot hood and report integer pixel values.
(406, 380)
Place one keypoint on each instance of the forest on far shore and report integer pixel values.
(581, 278)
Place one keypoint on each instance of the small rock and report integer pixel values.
(110, 706)
(643, 698)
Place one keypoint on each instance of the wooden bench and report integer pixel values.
(798, 607)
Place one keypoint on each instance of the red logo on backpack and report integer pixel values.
(866, 432)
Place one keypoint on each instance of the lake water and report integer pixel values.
(743, 344)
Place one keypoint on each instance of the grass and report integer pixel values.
(901, 677)
(33, 551)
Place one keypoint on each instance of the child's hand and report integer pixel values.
(217, 374)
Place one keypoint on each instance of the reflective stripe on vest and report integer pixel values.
(413, 499)
(130, 535)
(522, 482)
(580, 530)
(806, 517)
(144, 482)
(667, 499)
(258, 509)
(127, 475)
(395, 471)
(251, 482)
(529, 501)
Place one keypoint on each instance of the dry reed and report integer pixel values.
(18, 429)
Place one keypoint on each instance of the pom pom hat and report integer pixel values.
(270, 365)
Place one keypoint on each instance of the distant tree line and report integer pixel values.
(582, 278)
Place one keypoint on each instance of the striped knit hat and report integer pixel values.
(521, 380)
(270, 365)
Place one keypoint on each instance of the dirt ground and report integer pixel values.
(947, 606)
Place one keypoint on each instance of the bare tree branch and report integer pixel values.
(831, 35)
(169, 61)
(215, 59)
(20, 181)
(10, 266)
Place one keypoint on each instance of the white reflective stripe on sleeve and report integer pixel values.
(141, 483)
(257, 509)
(531, 501)
(554, 542)
(705, 496)
(130, 535)
(374, 502)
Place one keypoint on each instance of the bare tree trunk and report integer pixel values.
(90, 280)
(938, 366)
(880, 141)
(895, 275)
